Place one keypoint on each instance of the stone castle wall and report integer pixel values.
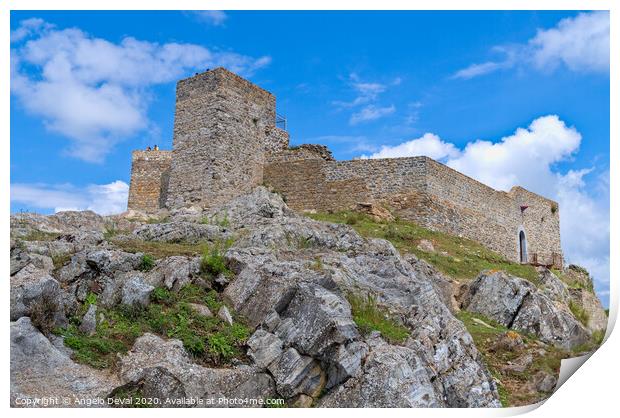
(150, 172)
(226, 143)
(220, 129)
(428, 193)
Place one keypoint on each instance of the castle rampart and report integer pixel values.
(226, 143)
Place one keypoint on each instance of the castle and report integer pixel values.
(226, 142)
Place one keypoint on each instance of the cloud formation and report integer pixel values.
(528, 158)
(104, 86)
(370, 112)
(211, 17)
(580, 44)
(367, 94)
(105, 199)
(428, 144)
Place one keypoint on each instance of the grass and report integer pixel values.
(223, 221)
(513, 389)
(60, 259)
(209, 339)
(579, 313)
(36, 235)
(159, 249)
(460, 258)
(368, 316)
(146, 263)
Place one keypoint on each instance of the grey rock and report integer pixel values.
(586, 300)
(543, 382)
(264, 348)
(40, 370)
(179, 231)
(552, 322)
(345, 361)
(33, 290)
(174, 272)
(497, 295)
(295, 374)
(150, 351)
(553, 287)
(201, 309)
(392, 377)
(20, 259)
(318, 319)
(224, 315)
(446, 288)
(136, 292)
(88, 325)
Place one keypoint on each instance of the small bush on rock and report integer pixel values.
(368, 316)
(147, 263)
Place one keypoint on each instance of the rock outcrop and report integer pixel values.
(292, 280)
(516, 303)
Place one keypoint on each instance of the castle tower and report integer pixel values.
(149, 180)
(222, 127)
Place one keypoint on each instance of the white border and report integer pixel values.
(591, 392)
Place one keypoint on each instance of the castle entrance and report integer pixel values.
(522, 247)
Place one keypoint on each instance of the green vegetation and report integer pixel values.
(159, 249)
(459, 258)
(208, 339)
(514, 387)
(146, 263)
(368, 316)
(60, 260)
(110, 232)
(223, 221)
(579, 313)
(213, 263)
(36, 235)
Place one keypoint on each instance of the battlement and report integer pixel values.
(226, 143)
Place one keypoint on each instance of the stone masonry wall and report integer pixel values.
(150, 171)
(428, 193)
(220, 129)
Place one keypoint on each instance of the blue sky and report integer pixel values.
(506, 97)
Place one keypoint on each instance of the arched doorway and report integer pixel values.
(522, 247)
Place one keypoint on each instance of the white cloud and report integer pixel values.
(429, 145)
(475, 70)
(29, 26)
(366, 92)
(95, 92)
(104, 199)
(528, 158)
(580, 43)
(212, 17)
(371, 112)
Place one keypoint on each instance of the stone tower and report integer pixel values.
(150, 171)
(222, 125)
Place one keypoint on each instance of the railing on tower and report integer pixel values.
(280, 121)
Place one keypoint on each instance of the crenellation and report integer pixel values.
(226, 143)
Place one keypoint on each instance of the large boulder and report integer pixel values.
(41, 371)
(163, 369)
(174, 272)
(179, 231)
(496, 295)
(35, 293)
(517, 303)
(591, 305)
(392, 377)
(553, 287)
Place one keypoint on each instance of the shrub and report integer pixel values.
(161, 295)
(213, 263)
(579, 313)
(147, 263)
(368, 316)
(220, 347)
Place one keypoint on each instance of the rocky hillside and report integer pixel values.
(251, 304)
